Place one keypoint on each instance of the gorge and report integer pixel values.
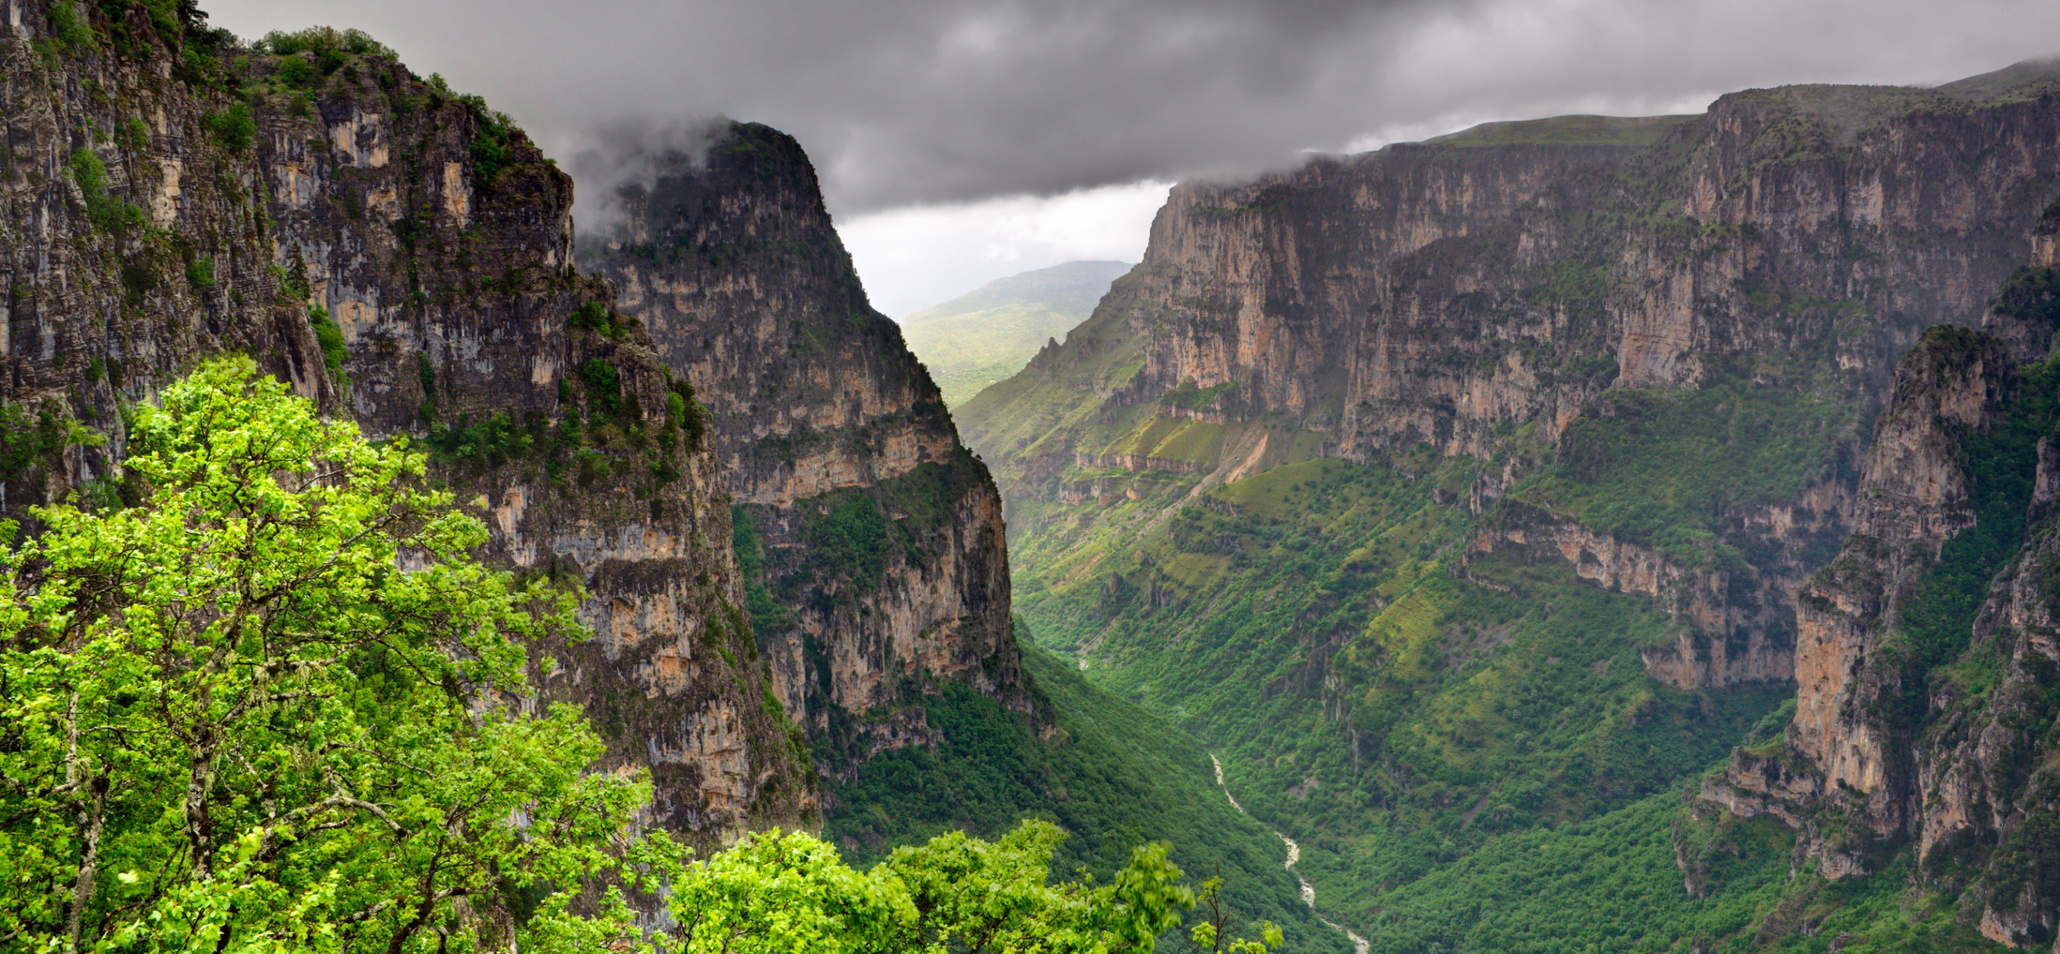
(1572, 534)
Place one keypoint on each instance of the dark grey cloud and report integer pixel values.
(624, 151)
(921, 101)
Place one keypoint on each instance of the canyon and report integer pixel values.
(1629, 534)
(1340, 412)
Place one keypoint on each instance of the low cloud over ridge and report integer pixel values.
(911, 102)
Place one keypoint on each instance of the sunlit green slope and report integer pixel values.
(978, 339)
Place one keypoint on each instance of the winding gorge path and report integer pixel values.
(1294, 854)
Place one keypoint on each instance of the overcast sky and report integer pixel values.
(963, 140)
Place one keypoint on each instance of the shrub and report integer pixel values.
(326, 41)
(104, 210)
(200, 272)
(234, 128)
(330, 336)
(69, 26)
(604, 385)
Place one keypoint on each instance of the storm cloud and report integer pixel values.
(914, 102)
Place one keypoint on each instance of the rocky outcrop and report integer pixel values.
(1730, 629)
(403, 255)
(883, 549)
(1928, 675)
(1802, 209)
(1913, 498)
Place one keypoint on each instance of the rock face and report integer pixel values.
(1752, 641)
(1913, 498)
(1928, 677)
(1482, 294)
(153, 217)
(880, 538)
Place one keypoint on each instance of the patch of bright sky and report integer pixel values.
(912, 258)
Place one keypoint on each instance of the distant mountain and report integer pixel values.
(977, 339)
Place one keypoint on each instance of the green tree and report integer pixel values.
(779, 892)
(280, 707)
(972, 895)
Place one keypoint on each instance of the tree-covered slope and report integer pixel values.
(1110, 774)
(986, 336)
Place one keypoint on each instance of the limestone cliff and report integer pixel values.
(404, 255)
(1928, 676)
(1507, 293)
(1913, 498)
(883, 553)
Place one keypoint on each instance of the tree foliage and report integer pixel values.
(279, 706)
(776, 893)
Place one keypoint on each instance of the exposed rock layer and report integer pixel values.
(1482, 292)
(882, 536)
(1913, 726)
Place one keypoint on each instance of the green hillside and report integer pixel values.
(978, 339)
(1112, 776)
(1466, 746)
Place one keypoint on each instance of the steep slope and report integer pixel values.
(403, 255)
(988, 335)
(1928, 678)
(1459, 492)
(876, 537)
(1111, 774)
(874, 554)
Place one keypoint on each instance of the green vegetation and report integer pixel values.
(2002, 465)
(779, 893)
(982, 338)
(684, 413)
(849, 532)
(1485, 696)
(200, 272)
(29, 438)
(178, 25)
(604, 385)
(493, 143)
(68, 26)
(234, 129)
(1612, 884)
(597, 316)
(329, 46)
(768, 613)
(330, 338)
(2032, 295)
(495, 441)
(1663, 468)
(1112, 777)
(107, 213)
